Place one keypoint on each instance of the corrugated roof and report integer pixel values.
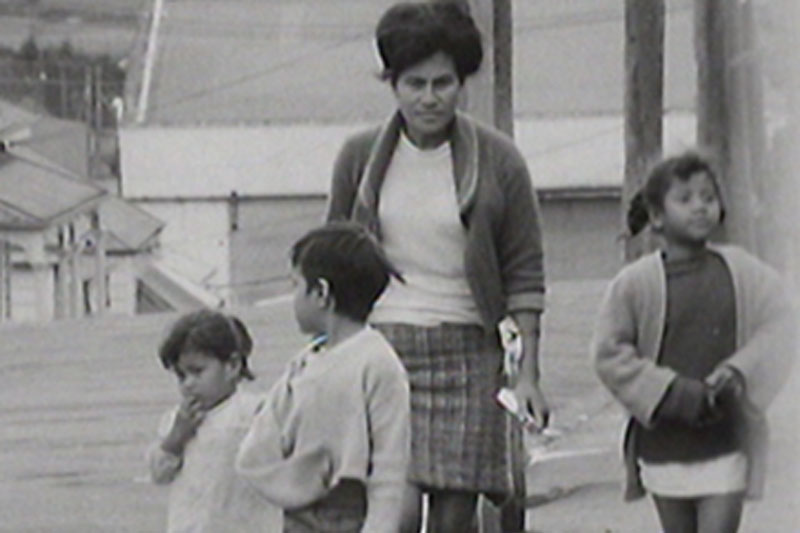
(33, 195)
(276, 61)
(62, 143)
(130, 228)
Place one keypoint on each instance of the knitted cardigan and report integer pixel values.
(627, 341)
(503, 259)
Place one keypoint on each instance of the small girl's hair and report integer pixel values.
(216, 334)
(651, 196)
(410, 32)
(351, 260)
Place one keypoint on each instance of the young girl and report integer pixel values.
(331, 444)
(694, 341)
(199, 438)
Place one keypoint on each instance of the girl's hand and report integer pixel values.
(726, 380)
(187, 419)
(726, 389)
(687, 401)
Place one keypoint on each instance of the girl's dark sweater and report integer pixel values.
(700, 332)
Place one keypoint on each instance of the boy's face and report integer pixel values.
(309, 305)
(205, 378)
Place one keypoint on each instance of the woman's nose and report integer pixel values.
(428, 95)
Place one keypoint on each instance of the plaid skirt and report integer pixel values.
(461, 439)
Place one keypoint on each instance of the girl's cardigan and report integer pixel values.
(627, 341)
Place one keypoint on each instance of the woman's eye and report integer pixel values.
(443, 83)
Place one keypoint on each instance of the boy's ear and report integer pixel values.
(324, 288)
(656, 219)
(234, 365)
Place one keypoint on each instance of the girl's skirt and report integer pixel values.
(341, 511)
(461, 439)
(719, 475)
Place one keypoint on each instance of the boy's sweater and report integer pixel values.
(338, 413)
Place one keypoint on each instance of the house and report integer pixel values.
(60, 233)
(234, 118)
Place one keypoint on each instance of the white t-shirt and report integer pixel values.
(423, 236)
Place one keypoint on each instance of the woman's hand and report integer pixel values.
(532, 401)
(527, 389)
(187, 419)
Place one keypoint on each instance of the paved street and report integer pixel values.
(81, 399)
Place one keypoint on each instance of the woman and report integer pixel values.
(453, 204)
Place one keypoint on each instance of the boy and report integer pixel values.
(331, 444)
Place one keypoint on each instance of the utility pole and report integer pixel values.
(503, 66)
(729, 109)
(5, 281)
(490, 99)
(644, 103)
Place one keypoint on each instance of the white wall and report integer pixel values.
(122, 285)
(203, 162)
(32, 294)
(195, 241)
(287, 160)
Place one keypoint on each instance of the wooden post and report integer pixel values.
(479, 90)
(62, 276)
(729, 118)
(99, 264)
(503, 66)
(490, 99)
(75, 278)
(5, 281)
(644, 96)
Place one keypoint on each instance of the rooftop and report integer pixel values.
(274, 61)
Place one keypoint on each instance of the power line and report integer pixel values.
(287, 63)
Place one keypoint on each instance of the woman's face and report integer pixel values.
(427, 94)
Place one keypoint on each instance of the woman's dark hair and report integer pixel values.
(351, 260)
(411, 32)
(216, 334)
(659, 179)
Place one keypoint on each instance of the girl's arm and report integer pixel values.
(634, 380)
(388, 409)
(763, 363)
(177, 428)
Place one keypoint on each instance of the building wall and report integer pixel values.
(32, 293)
(580, 237)
(195, 240)
(122, 285)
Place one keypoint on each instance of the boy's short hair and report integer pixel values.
(351, 260)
